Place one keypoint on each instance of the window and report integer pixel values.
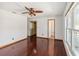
(69, 29)
(72, 29)
(76, 17)
(75, 31)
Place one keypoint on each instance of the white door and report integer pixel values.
(51, 29)
(51, 35)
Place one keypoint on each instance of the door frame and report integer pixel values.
(50, 44)
(48, 27)
(36, 26)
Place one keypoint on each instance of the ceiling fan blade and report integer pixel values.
(30, 14)
(39, 11)
(27, 8)
(34, 14)
(24, 12)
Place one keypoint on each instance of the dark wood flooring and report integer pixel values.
(59, 48)
(41, 47)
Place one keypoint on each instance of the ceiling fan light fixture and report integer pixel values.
(31, 11)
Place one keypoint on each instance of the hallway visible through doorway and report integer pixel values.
(33, 34)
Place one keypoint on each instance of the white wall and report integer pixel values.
(59, 27)
(12, 26)
(42, 25)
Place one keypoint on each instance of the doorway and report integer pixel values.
(51, 35)
(33, 35)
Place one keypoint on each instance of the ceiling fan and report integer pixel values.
(31, 11)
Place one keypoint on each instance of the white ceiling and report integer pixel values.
(48, 8)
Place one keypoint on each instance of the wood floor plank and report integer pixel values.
(43, 46)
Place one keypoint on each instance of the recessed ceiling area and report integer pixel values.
(48, 8)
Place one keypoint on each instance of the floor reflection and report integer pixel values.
(46, 47)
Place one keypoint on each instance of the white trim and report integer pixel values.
(68, 52)
(68, 6)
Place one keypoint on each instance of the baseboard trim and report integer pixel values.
(49, 38)
(59, 39)
(43, 37)
(30, 35)
(46, 38)
(12, 43)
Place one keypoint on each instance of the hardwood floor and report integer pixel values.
(59, 48)
(41, 47)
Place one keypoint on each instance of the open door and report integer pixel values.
(51, 35)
